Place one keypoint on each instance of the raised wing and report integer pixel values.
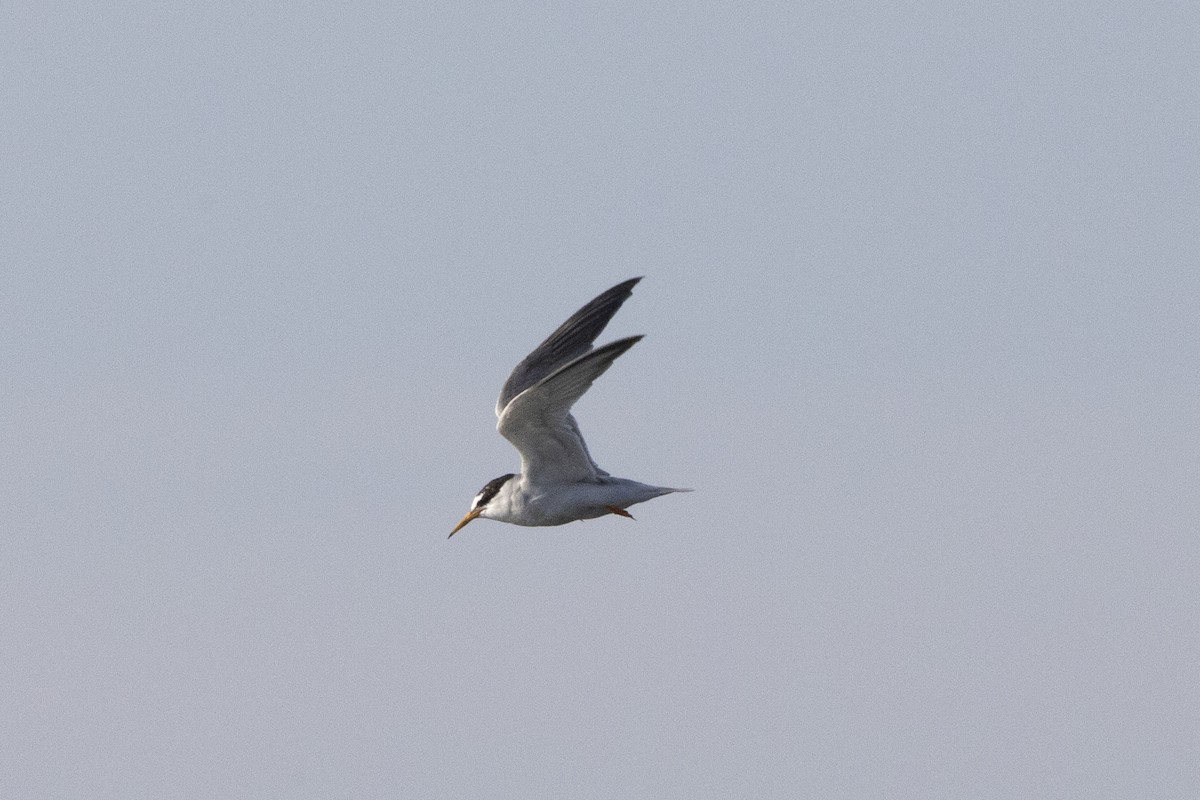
(573, 339)
(538, 421)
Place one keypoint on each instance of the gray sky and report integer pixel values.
(921, 316)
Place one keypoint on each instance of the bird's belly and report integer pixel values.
(561, 505)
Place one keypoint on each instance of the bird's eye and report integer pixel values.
(489, 491)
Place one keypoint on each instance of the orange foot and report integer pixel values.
(620, 512)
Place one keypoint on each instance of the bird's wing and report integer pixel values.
(572, 339)
(538, 421)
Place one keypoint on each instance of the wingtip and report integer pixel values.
(620, 345)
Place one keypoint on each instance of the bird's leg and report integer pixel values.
(620, 512)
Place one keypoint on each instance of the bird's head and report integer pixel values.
(479, 504)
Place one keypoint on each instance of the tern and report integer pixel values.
(559, 482)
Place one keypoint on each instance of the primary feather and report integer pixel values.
(571, 340)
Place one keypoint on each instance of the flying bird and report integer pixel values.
(559, 482)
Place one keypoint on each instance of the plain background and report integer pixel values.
(921, 315)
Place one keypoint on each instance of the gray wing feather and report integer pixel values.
(573, 339)
(539, 424)
(575, 428)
